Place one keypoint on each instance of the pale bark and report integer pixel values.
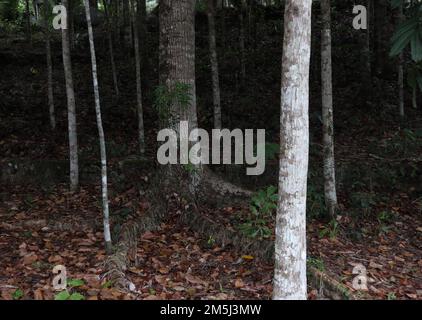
(214, 65)
(139, 108)
(104, 187)
(327, 111)
(49, 69)
(290, 243)
(71, 109)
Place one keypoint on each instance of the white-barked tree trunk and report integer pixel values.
(290, 243)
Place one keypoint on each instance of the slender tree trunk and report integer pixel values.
(141, 131)
(104, 187)
(28, 23)
(290, 243)
(110, 48)
(71, 25)
(366, 83)
(242, 42)
(327, 111)
(71, 109)
(143, 34)
(49, 68)
(214, 65)
(415, 97)
(127, 24)
(400, 79)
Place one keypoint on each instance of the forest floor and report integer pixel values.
(380, 225)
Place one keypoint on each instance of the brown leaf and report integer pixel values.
(38, 295)
(239, 283)
(195, 280)
(30, 258)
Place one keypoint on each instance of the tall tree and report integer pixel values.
(104, 187)
(49, 66)
(327, 110)
(242, 39)
(214, 64)
(71, 108)
(290, 243)
(400, 70)
(110, 47)
(177, 71)
(139, 108)
(28, 22)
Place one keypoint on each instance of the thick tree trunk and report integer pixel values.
(177, 67)
(290, 243)
(49, 69)
(214, 65)
(104, 187)
(327, 111)
(141, 131)
(71, 109)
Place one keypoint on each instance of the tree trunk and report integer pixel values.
(214, 65)
(141, 132)
(104, 187)
(177, 68)
(143, 34)
(290, 243)
(400, 79)
(49, 69)
(242, 42)
(415, 97)
(327, 111)
(28, 23)
(71, 109)
(110, 47)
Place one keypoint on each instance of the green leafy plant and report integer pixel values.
(17, 294)
(65, 295)
(262, 208)
(317, 263)
(391, 296)
(165, 98)
(73, 283)
(408, 32)
(331, 230)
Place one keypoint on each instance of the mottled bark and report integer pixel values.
(139, 108)
(327, 111)
(49, 69)
(71, 109)
(290, 243)
(104, 187)
(177, 66)
(214, 65)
